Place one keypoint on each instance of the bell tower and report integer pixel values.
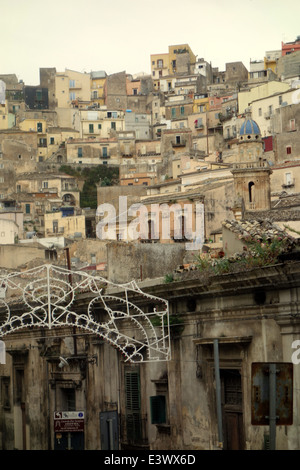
(251, 172)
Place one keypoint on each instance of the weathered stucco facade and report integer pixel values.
(252, 315)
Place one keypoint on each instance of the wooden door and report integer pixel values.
(232, 407)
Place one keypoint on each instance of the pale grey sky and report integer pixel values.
(86, 35)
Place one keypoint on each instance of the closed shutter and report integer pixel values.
(133, 406)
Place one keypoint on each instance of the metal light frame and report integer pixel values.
(48, 294)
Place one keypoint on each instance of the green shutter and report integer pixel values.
(158, 409)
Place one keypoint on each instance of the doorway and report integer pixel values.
(109, 430)
(232, 409)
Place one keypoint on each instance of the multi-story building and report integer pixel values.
(65, 186)
(104, 122)
(264, 108)
(179, 60)
(290, 47)
(98, 80)
(271, 59)
(72, 88)
(93, 151)
(245, 97)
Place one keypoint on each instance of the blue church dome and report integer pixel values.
(249, 127)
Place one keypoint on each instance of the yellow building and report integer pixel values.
(175, 52)
(261, 91)
(270, 60)
(49, 138)
(71, 88)
(159, 68)
(40, 127)
(200, 104)
(7, 119)
(98, 80)
(173, 62)
(72, 226)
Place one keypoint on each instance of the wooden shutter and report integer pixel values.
(133, 405)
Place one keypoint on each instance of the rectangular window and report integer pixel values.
(5, 392)
(181, 110)
(289, 150)
(42, 142)
(158, 409)
(173, 111)
(38, 95)
(72, 84)
(72, 96)
(68, 398)
(79, 152)
(288, 179)
(113, 126)
(91, 128)
(39, 127)
(133, 405)
(51, 140)
(104, 152)
(19, 389)
(292, 124)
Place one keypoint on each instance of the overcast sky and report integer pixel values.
(118, 35)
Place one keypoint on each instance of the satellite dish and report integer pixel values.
(63, 362)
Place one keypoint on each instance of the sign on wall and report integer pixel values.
(68, 421)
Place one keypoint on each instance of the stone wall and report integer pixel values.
(127, 261)
(116, 94)
(13, 256)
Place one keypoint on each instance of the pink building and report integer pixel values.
(289, 47)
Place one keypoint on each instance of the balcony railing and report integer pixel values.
(288, 184)
(181, 143)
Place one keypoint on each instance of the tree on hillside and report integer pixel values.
(99, 175)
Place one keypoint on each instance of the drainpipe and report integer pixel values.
(218, 392)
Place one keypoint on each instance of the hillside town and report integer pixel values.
(174, 193)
